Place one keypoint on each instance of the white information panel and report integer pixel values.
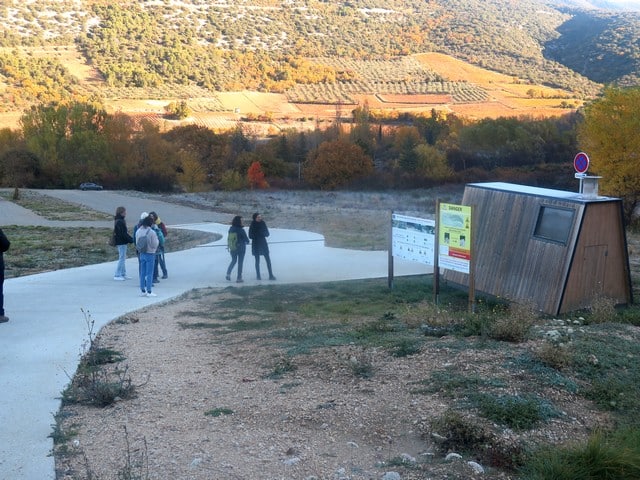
(413, 238)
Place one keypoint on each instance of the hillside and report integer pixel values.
(311, 58)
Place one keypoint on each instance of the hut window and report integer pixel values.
(554, 224)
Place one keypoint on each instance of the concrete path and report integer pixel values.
(40, 346)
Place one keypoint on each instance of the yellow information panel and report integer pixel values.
(454, 252)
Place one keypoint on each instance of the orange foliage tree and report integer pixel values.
(336, 163)
(255, 175)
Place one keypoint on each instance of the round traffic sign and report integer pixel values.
(581, 162)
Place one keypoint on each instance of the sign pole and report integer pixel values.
(472, 266)
(436, 268)
(390, 271)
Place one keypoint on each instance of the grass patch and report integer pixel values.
(606, 359)
(218, 412)
(450, 383)
(513, 411)
(604, 456)
(282, 365)
(44, 249)
(53, 208)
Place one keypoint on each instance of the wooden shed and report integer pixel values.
(556, 249)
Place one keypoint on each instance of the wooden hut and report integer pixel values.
(556, 249)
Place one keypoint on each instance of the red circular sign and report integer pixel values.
(581, 162)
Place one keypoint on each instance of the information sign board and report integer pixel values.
(454, 249)
(413, 238)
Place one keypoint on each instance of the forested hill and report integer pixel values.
(271, 45)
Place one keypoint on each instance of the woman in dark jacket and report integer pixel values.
(238, 248)
(258, 233)
(4, 246)
(122, 239)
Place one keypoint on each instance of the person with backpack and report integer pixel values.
(146, 246)
(237, 242)
(258, 233)
(160, 249)
(160, 259)
(121, 239)
(4, 246)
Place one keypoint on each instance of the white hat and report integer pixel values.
(143, 215)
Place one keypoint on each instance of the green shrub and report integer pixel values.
(603, 310)
(361, 365)
(515, 412)
(602, 457)
(459, 433)
(99, 387)
(514, 326)
(553, 355)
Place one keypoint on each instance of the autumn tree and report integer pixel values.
(66, 137)
(361, 132)
(255, 176)
(405, 141)
(431, 163)
(336, 163)
(191, 174)
(178, 110)
(155, 162)
(609, 135)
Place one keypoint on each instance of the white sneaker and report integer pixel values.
(143, 294)
(151, 294)
(119, 279)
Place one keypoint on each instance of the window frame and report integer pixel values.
(541, 230)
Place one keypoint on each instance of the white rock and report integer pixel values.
(391, 476)
(292, 461)
(407, 458)
(477, 468)
(452, 456)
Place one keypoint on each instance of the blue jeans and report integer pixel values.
(147, 261)
(121, 270)
(237, 256)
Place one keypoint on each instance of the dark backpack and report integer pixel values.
(142, 242)
(232, 241)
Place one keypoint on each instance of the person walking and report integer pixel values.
(122, 241)
(160, 230)
(237, 242)
(146, 245)
(4, 246)
(258, 233)
(161, 261)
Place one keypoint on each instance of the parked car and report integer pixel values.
(90, 186)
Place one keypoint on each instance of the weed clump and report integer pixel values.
(454, 432)
(94, 383)
(554, 355)
(605, 456)
(514, 326)
(603, 310)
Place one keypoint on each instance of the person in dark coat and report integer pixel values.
(258, 233)
(122, 240)
(237, 254)
(4, 246)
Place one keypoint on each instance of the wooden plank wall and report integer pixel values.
(510, 262)
(600, 265)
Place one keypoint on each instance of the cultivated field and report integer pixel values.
(465, 90)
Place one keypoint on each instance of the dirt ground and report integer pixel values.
(207, 408)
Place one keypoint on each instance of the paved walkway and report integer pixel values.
(41, 344)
